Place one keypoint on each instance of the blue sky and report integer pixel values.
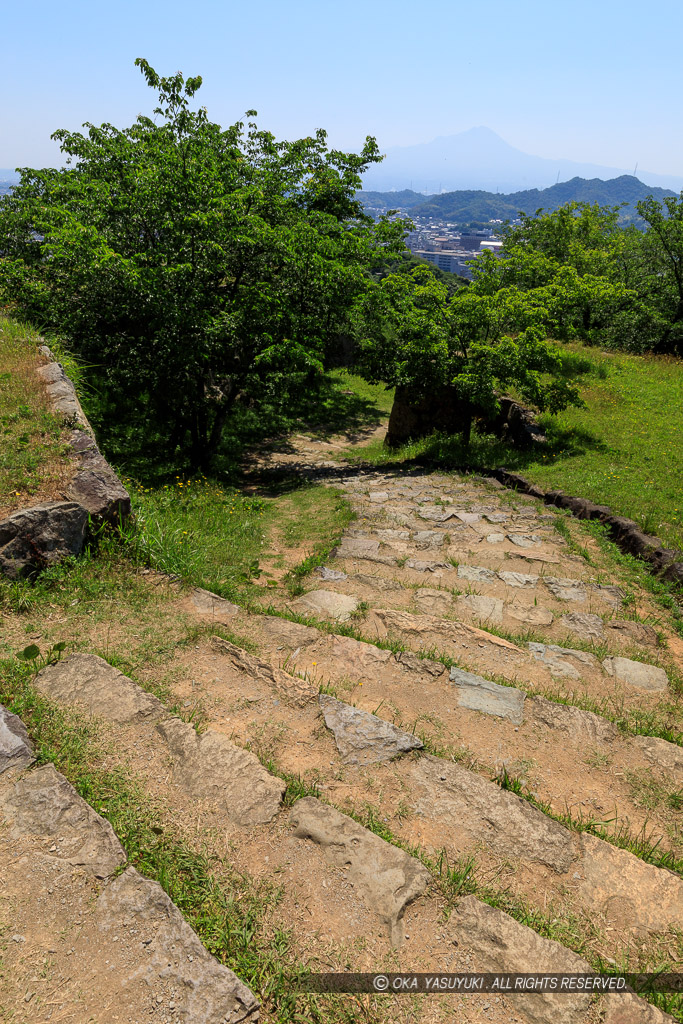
(596, 81)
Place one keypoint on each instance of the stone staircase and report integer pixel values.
(452, 643)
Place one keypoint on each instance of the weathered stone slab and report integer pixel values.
(566, 590)
(419, 565)
(486, 609)
(291, 688)
(89, 681)
(377, 582)
(357, 547)
(585, 625)
(466, 801)
(627, 631)
(357, 658)
(378, 496)
(582, 726)
(502, 944)
(390, 535)
(538, 556)
(635, 673)
(416, 664)
(631, 1009)
(61, 391)
(612, 595)
(424, 539)
(204, 990)
(627, 891)
(427, 630)
(666, 755)
(496, 517)
(326, 604)
(435, 602)
(479, 694)
(476, 574)
(495, 538)
(518, 579)
(16, 749)
(562, 661)
(468, 517)
(96, 486)
(211, 604)
(525, 540)
(42, 803)
(330, 575)
(363, 738)
(284, 632)
(389, 878)
(34, 538)
(212, 767)
(530, 614)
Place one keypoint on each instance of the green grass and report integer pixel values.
(623, 449)
(33, 450)
(203, 533)
(215, 537)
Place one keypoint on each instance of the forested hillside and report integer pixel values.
(473, 205)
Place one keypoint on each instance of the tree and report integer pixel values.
(415, 336)
(198, 266)
(584, 269)
(662, 252)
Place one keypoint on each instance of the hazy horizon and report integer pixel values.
(595, 87)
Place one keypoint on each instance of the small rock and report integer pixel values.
(476, 573)
(330, 575)
(566, 590)
(326, 604)
(479, 694)
(495, 538)
(635, 673)
(363, 738)
(529, 614)
(518, 579)
(586, 626)
(486, 609)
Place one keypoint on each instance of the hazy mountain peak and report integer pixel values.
(479, 158)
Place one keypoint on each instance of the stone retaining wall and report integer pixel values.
(44, 534)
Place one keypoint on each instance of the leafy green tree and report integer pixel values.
(196, 266)
(414, 335)
(662, 267)
(585, 270)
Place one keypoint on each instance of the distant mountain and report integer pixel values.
(463, 207)
(480, 159)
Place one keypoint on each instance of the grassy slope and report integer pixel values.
(33, 454)
(624, 449)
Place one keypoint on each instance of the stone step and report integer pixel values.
(459, 800)
(113, 940)
(418, 689)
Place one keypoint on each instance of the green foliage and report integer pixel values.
(615, 287)
(196, 266)
(478, 342)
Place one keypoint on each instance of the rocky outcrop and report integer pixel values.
(413, 416)
(32, 539)
(35, 538)
(96, 486)
(516, 424)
